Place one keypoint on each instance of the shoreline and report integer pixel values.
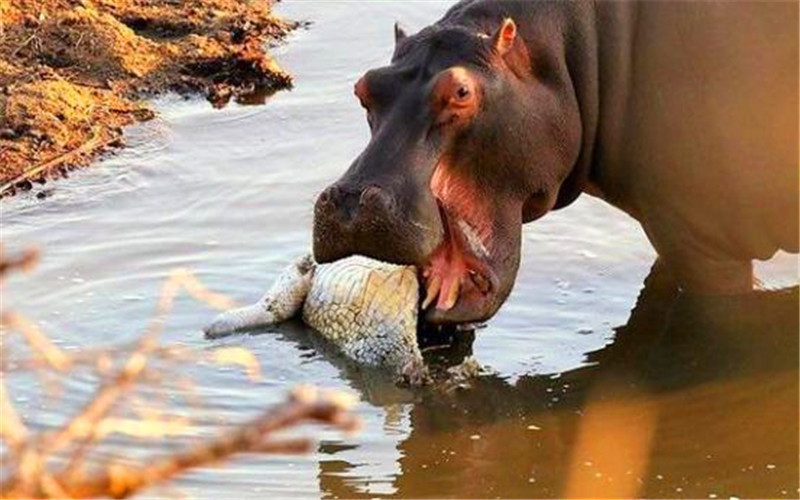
(74, 74)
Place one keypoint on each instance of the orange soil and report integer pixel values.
(71, 71)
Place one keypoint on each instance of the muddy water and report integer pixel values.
(595, 384)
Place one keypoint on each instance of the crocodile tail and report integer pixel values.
(241, 319)
(282, 301)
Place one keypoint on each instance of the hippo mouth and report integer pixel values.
(458, 280)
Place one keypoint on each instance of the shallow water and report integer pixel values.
(691, 400)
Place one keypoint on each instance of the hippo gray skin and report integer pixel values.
(682, 114)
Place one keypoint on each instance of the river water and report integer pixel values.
(586, 391)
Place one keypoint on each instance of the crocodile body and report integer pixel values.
(366, 308)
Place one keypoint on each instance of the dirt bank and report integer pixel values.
(72, 71)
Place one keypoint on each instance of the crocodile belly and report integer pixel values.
(368, 309)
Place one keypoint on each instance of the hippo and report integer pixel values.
(682, 114)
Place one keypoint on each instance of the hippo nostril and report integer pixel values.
(369, 194)
(375, 197)
(329, 196)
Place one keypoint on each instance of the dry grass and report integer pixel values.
(61, 462)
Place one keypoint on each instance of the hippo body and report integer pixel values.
(697, 133)
(682, 114)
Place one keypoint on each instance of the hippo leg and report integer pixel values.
(282, 301)
(698, 267)
(715, 277)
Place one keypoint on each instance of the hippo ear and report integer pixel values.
(504, 37)
(399, 33)
(509, 45)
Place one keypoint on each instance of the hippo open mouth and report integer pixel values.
(458, 279)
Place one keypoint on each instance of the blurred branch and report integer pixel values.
(41, 345)
(29, 468)
(12, 430)
(24, 262)
(121, 481)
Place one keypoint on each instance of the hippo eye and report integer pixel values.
(455, 97)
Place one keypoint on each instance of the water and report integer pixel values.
(692, 400)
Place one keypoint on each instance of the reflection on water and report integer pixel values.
(687, 399)
(696, 398)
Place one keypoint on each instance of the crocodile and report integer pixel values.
(366, 308)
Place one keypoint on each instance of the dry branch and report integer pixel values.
(121, 481)
(62, 463)
(95, 143)
(24, 262)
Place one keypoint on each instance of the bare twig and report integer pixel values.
(96, 142)
(24, 44)
(41, 345)
(12, 430)
(84, 426)
(121, 481)
(27, 461)
(24, 262)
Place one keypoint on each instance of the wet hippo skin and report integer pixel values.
(682, 114)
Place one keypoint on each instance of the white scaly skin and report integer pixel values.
(281, 302)
(366, 308)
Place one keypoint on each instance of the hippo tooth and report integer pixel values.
(434, 285)
(453, 287)
(473, 239)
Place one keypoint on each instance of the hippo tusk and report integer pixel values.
(434, 285)
(448, 297)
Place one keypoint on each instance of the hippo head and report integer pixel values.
(469, 140)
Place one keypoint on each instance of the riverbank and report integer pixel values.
(73, 72)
